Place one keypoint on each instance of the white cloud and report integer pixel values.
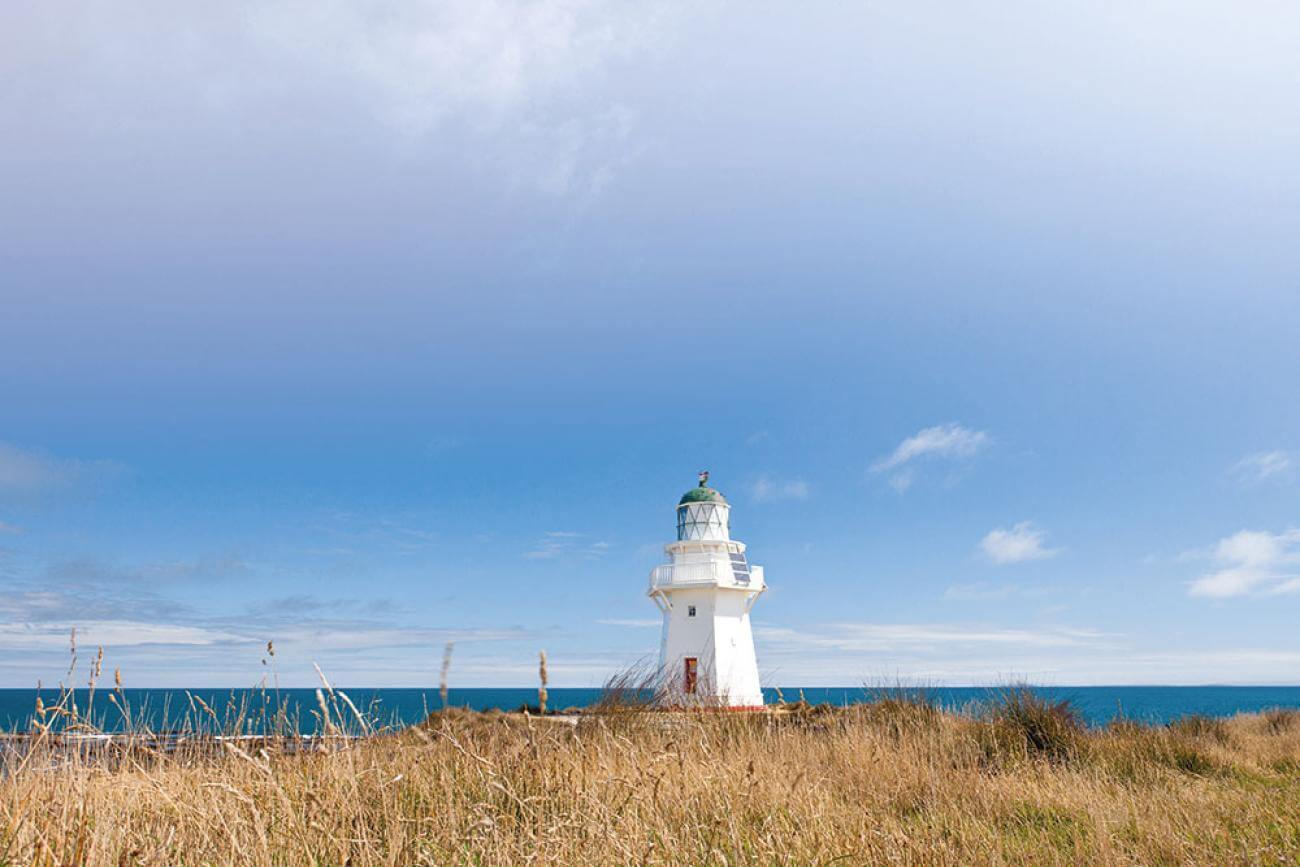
(31, 472)
(902, 480)
(562, 543)
(838, 654)
(330, 635)
(796, 490)
(893, 636)
(1253, 561)
(27, 471)
(888, 653)
(1272, 466)
(1104, 662)
(10, 529)
(980, 590)
(499, 70)
(426, 59)
(524, 91)
(636, 623)
(210, 654)
(946, 441)
(1020, 543)
(160, 640)
(767, 489)
(109, 634)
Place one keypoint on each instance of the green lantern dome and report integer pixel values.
(702, 493)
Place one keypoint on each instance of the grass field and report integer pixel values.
(896, 781)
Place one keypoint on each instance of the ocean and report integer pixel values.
(162, 709)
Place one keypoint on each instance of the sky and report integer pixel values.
(365, 328)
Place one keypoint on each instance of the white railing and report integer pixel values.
(688, 574)
(684, 573)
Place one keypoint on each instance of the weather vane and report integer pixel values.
(704, 478)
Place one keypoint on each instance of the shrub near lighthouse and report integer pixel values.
(705, 591)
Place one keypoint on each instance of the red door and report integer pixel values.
(689, 682)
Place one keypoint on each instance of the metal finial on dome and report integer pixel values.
(702, 493)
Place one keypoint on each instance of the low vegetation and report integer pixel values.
(1020, 781)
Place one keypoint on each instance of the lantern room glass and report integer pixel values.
(706, 521)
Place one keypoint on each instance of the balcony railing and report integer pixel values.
(703, 574)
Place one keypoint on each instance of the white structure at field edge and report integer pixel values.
(705, 591)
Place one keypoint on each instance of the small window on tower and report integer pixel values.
(690, 610)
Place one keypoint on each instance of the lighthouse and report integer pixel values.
(705, 592)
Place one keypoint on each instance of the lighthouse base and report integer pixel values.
(707, 651)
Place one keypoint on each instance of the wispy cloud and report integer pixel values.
(67, 591)
(563, 543)
(10, 529)
(639, 623)
(766, 489)
(523, 90)
(972, 653)
(350, 533)
(893, 636)
(307, 603)
(31, 471)
(1276, 466)
(108, 633)
(200, 569)
(91, 574)
(411, 538)
(1018, 544)
(28, 472)
(131, 619)
(485, 66)
(946, 441)
(987, 590)
(1108, 660)
(1253, 562)
(439, 445)
(426, 61)
(161, 633)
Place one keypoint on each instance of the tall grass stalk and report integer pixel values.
(446, 669)
(542, 680)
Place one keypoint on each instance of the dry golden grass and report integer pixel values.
(890, 782)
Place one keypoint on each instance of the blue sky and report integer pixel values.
(365, 328)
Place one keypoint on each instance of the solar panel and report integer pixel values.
(739, 569)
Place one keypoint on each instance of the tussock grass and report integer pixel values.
(1280, 719)
(1201, 726)
(1022, 722)
(895, 780)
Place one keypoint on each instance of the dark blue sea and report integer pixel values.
(174, 709)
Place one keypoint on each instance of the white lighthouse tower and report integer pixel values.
(705, 592)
